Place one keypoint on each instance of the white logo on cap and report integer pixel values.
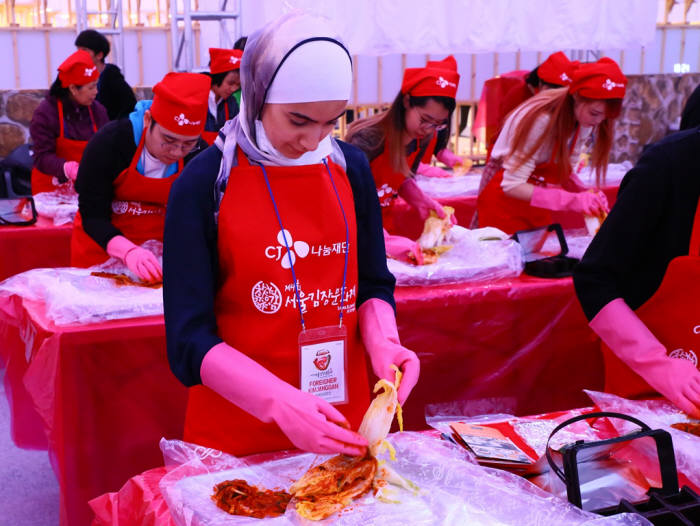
(610, 85)
(234, 60)
(182, 120)
(443, 83)
(564, 77)
(90, 71)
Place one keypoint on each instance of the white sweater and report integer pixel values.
(513, 177)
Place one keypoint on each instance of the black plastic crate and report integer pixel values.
(678, 509)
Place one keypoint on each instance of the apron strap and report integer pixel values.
(694, 249)
(60, 116)
(92, 119)
(422, 146)
(226, 109)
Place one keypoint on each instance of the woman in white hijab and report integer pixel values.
(275, 277)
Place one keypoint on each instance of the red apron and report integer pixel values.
(68, 149)
(210, 136)
(672, 314)
(138, 211)
(255, 306)
(388, 181)
(495, 208)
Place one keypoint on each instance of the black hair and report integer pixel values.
(218, 78)
(57, 90)
(240, 43)
(94, 41)
(534, 80)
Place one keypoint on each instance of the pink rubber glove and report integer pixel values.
(70, 169)
(627, 336)
(415, 197)
(400, 248)
(311, 423)
(381, 339)
(574, 184)
(432, 171)
(589, 203)
(449, 158)
(140, 261)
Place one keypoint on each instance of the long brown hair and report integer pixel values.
(392, 123)
(559, 105)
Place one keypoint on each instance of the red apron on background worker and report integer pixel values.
(501, 95)
(224, 70)
(63, 123)
(639, 281)
(275, 277)
(124, 181)
(416, 126)
(531, 162)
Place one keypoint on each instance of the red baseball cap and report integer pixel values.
(78, 69)
(599, 80)
(180, 102)
(557, 69)
(436, 79)
(221, 60)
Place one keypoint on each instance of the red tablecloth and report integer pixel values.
(409, 224)
(99, 396)
(37, 246)
(103, 394)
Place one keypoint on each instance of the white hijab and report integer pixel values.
(296, 58)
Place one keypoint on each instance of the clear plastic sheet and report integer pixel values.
(577, 240)
(72, 295)
(61, 206)
(658, 413)
(453, 490)
(471, 258)
(613, 177)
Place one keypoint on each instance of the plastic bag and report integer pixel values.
(59, 205)
(452, 490)
(613, 177)
(656, 414)
(454, 186)
(471, 258)
(577, 240)
(72, 295)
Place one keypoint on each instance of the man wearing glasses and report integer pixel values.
(126, 173)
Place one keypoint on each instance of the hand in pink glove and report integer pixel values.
(381, 339)
(432, 171)
(415, 197)
(449, 158)
(70, 169)
(401, 248)
(589, 203)
(140, 261)
(310, 423)
(627, 336)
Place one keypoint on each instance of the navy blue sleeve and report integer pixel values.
(374, 278)
(190, 267)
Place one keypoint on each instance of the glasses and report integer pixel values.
(425, 123)
(172, 145)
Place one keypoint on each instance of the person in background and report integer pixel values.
(63, 122)
(540, 142)
(639, 280)
(501, 95)
(224, 70)
(113, 92)
(127, 171)
(271, 236)
(239, 45)
(416, 126)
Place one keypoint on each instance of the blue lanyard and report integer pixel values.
(289, 255)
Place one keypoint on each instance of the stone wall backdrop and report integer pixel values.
(652, 109)
(16, 110)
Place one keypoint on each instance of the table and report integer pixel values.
(410, 225)
(101, 396)
(40, 245)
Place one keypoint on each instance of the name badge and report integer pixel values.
(323, 364)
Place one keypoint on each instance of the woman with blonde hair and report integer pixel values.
(530, 173)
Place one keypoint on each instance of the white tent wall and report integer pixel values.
(148, 51)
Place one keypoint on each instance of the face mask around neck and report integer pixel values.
(323, 150)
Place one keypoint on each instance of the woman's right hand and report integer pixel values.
(144, 264)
